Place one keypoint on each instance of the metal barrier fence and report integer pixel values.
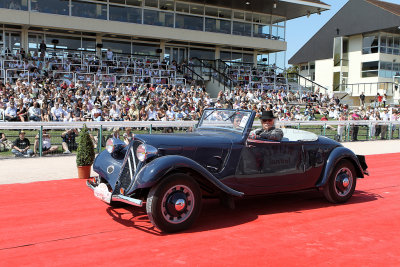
(343, 131)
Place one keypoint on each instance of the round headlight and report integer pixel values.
(110, 145)
(141, 152)
(144, 152)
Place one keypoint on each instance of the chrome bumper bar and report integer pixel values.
(119, 197)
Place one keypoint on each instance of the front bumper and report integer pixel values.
(117, 198)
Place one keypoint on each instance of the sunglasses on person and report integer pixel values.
(267, 120)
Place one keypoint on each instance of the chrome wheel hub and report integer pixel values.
(343, 181)
(346, 182)
(180, 204)
(177, 204)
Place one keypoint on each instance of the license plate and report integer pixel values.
(102, 193)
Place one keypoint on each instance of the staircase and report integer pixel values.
(300, 83)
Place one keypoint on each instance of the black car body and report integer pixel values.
(173, 172)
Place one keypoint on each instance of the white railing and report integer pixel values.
(133, 124)
(14, 74)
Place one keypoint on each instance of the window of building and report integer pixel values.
(182, 7)
(125, 14)
(196, 9)
(60, 7)
(134, 2)
(238, 15)
(158, 18)
(241, 28)
(14, 4)
(151, 3)
(262, 31)
(144, 49)
(370, 44)
(211, 11)
(202, 53)
(224, 13)
(117, 46)
(167, 5)
(64, 42)
(88, 44)
(218, 25)
(189, 22)
(89, 10)
(370, 69)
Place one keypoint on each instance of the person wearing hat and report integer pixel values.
(268, 130)
(21, 146)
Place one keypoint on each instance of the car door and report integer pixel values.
(270, 166)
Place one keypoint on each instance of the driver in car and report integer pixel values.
(268, 130)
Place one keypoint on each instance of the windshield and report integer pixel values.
(227, 119)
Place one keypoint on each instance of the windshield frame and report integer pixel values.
(206, 114)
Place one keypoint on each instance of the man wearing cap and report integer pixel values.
(21, 146)
(268, 130)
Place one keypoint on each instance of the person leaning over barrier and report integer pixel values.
(268, 130)
(21, 146)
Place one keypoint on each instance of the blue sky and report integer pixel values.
(299, 31)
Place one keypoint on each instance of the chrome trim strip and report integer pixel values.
(127, 200)
(130, 168)
(134, 161)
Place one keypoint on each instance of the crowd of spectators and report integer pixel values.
(45, 96)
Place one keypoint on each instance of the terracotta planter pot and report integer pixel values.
(84, 172)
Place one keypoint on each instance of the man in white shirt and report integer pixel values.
(170, 114)
(34, 112)
(115, 113)
(56, 112)
(11, 112)
(96, 112)
(152, 114)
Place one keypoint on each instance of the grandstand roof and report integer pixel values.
(286, 8)
(356, 17)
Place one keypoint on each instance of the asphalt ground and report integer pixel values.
(61, 223)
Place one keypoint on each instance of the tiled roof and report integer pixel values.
(390, 7)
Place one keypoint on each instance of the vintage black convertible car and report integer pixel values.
(172, 173)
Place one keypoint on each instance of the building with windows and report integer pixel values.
(357, 51)
(237, 31)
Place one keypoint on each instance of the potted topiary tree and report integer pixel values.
(85, 154)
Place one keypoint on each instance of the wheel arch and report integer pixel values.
(337, 155)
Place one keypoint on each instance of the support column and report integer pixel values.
(217, 52)
(24, 39)
(99, 40)
(162, 47)
(255, 54)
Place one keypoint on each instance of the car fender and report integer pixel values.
(155, 170)
(335, 156)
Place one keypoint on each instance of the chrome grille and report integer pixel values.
(129, 168)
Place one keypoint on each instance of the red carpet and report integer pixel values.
(61, 223)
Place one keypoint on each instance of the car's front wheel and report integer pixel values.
(174, 203)
(342, 183)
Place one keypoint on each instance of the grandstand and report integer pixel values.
(147, 38)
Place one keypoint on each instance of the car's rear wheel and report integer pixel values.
(342, 183)
(174, 203)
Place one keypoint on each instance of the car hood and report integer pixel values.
(208, 148)
(198, 139)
